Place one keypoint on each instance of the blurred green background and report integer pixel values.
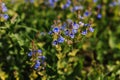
(96, 57)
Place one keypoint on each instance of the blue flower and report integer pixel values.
(56, 30)
(67, 32)
(84, 32)
(5, 16)
(99, 16)
(61, 39)
(91, 29)
(39, 51)
(42, 58)
(30, 54)
(86, 13)
(75, 26)
(55, 42)
(72, 35)
(36, 66)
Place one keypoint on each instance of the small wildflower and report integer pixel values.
(67, 32)
(30, 54)
(55, 42)
(61, 39)
(56, 30)
(37, 64)
(99, 16)
(75, 26)
(5, 16)
(72, 35)
(84, 32)
(91, 29)
(86, 13)
(39, 51)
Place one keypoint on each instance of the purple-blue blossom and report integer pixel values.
(5, 16)
(86, 13)
(55, 42)
(84, 32)
(66, 32)
(61, 39)
(37, 64)
(72, 35)
(99, 16)
(75, 26)
(91, 29)
(56, 30)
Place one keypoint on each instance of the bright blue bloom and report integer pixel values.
(99, 16)
(72, 35)
(56, 30)
(75, 26)
(55, 42)
(39, 51)
(84, 32)
(86, 13)
(36, 66)
(5, 16)
(67, 32)
(61, 39)
(30, 54)
(91, 29)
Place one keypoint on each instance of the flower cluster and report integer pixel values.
(38, 59)
(3, 10)
(68, 30)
